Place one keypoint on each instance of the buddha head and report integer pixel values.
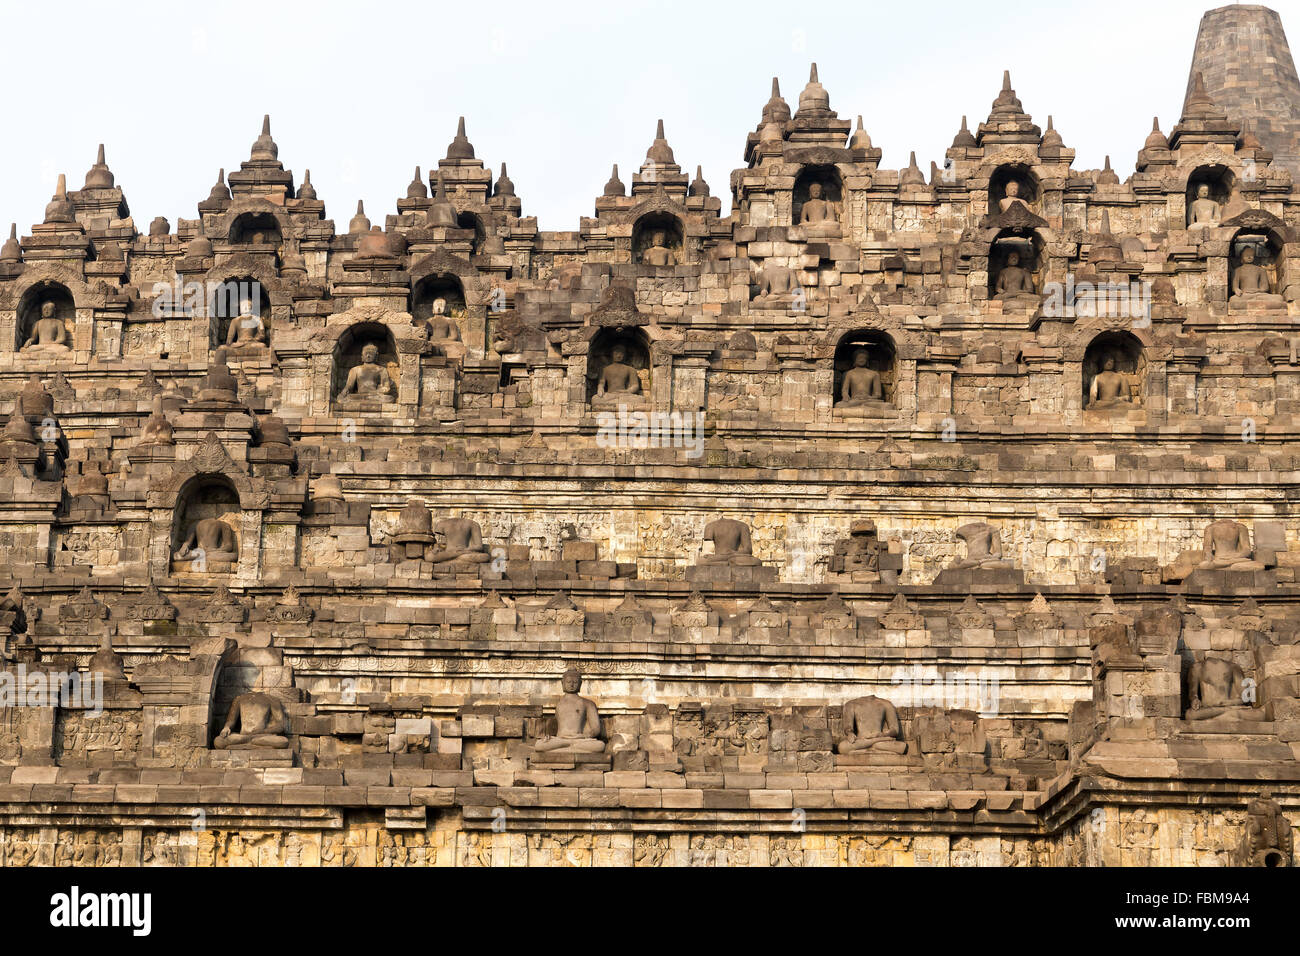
(1013, 259)
(370, 354)
(618, 354)
(1248, 255)
(1203, 191)
(571, 681)
(860, 358)
(815, 191)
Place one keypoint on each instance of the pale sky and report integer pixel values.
(360, 93)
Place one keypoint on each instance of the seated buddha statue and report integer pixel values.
(1251, 282)
(577, 721)
(49, 333)
(818, 217)
(1012, 196)
(1227, 548)
(1215, 688)
(776, 284)
(1014, 279)
(1109, 388)
(157, 430)
(618, 380)
(731, 543)
(861, 384)
(368, 381)
(261, 720)
(211, 539)
(983, 547)
(1204, 211)
(658, 253)
(871, 725)
(247, 330)
(442, 327)
(462, 542)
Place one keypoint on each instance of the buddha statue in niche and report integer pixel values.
(871, 725)
(861, 384)
(211, 539)
(261, 720)
(731, 543)
(658, 253)
(1227, 548)
(983, 547)
(1203, 211)
(49, 333)
(1251, 282)
(442, 327)
(461, 540)
(819, 217)
(776, 283)
(1014, 279)
(577, 721)
(618, 380)
(247, 330)
(157, 430)
(1215, 688)
(1109, 388)
(1012, 196)
(369, 381)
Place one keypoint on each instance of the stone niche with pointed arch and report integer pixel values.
(1257, 266)
(658, 239)
(374, 374)
(1001, 190)
(186, 502)
(865, 375)
(441, 285)
(242, 333)
(819, 192)
(1220, 186)
(1116, 362)
(1014, 249)
(46, 318)
(257, 231)
(619, 356)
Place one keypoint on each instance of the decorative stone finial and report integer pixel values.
(264, 147)
(1199, 103)
(417, 189)
(60, 207)
(11, 251)
(814, 96)
(660, 153)
(359, 224)
(1007, 101)
(460, 147)
(912, 175)
(504, 186)
(615, 187)
(859, 139)
(1156, 139)
(99, 176)
(220, 191)
(306, 190)
(1052, 138)
(698, 187)
(1108, 176)
(776, 110)
(442, 213)
(963, 139)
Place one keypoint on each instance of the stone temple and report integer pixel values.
(902, 516)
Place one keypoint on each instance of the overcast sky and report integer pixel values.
(361, 93)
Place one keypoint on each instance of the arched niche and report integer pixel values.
(1026, 186)
(45, 303)
(240, 298)
(829, 185)
(604, 351)
(1119, 357)
(1264, 250)
(1014, 249)
(1220, 184)
(443, 286)
(658, 239)
(469, 220)
(376, 381)
(870, 350)
(206, 524)
(256, 229)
